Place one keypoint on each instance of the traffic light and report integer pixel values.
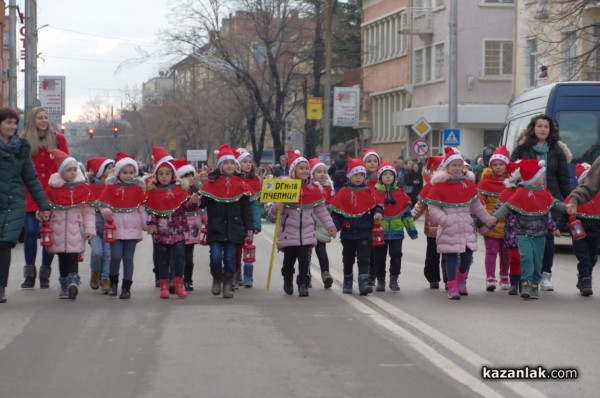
(116, 131)
(91, 133)
(62, 129)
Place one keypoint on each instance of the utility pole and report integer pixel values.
(12, 54)
(327, 82)
(453, 94)
(30, 56)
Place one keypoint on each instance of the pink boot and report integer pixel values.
(461, 281)
(453, 293)
(179, 288)
(164, 288)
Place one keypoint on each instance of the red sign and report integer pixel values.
(420, 148)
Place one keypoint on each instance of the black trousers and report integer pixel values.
(189, 262)
(359, 249)
(5, 256)
(321, 251)
(394, 247)
(586, 249)
(293, 253)
(67, 264)
(432, 263)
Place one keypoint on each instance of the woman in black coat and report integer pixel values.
(541, 141)
(413, 182)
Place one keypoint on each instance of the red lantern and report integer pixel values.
(576, 229)
(46, 234)
(377, 234)
(109, 231)
(80, 257)
(202, 235)
(249, 251)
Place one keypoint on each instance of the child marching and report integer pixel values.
(73, 220)
(396, 217)
(122, 204)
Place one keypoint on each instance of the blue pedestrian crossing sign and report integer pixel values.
(451, 137)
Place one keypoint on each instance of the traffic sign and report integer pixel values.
(421, 127)
(420, 148)
(451, 137)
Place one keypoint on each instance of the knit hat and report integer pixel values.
(451, 154)
(160, 154)
(315, 163)
(355, 166)
(581, 171)
(241, 154)
(224, 153)
(62, 160)
(386, 165)
(97, 166)
(368, 152)
(182, 167)
(294, 159)
(501, 154)
(125, 159)
(531, 170)
(434, 163)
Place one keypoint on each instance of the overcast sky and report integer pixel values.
(87, 40)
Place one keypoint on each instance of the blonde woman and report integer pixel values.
(38, 132)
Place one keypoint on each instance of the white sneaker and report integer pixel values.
(490, 284)
(504, 282)
(546, 285)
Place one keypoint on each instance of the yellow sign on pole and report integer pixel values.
(314, 108)
(172, 145)
(279, 191)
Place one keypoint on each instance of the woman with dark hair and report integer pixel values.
(413, 182)
(541, 141)
(42, 140)
(17, 170)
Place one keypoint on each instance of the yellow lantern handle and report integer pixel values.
(273, 248)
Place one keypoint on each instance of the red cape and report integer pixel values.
(353, 202)
(506, 194)
(164, 200)
(255, 187)
(452, 193)
(531, 202)
(95, 191)
(422, 195)
(310, 196)
(69, 195)
(590, 209)
(225, 189)
(491, 186)
(397, 209)
(122, 198)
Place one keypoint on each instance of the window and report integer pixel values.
(498, 1)
(385, 105)
(531, 62)
(428, 3)
(383, 40)
(498, 58)
(429, 63)
(569, 54)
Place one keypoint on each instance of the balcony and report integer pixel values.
(418, 21)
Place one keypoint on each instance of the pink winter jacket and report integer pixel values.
(456, 229)
(70, 226)
(128, 226)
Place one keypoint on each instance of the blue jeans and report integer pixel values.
(174, 252)
(30, 244)
(125, 250)
(100, 260)
(223, 253)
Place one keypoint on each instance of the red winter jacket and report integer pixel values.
(45, 167)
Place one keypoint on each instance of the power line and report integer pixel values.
(145, 43)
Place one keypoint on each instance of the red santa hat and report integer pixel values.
(224, 153)
(501, 154)
(62, 160)
(513, 169)
(368, 152)
(97, 166)
(434, 163)
(451, 153)
(294, 159)
(182, 167)
(386, 165)
(160, 154)
(315, 163)
(531, 170)
(125, 159)
(355, 166)
(241, 154)
(581, 171)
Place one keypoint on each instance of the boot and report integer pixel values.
(394, 283)
(301, 281)
(164, 288)
(2, 296)
(371, 280)
(114, 285)
(327, 279)
(347, 286)
(64, 288)
(525, 290)
(105, 284)
(227, 286)
(126, 289)
(188, 285)
(45, 272)
(30, 273)
(513, 290)
(453, 293)
(217, 274)
(546, 285)
(94, 280)
(179, 288)
(364, 286)
(239, 280)
(535, 293)
(248, 271)
(461, 282)
(586, 286)
(380, 284)
(74, 282)
(288, 282)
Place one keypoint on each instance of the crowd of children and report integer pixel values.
(371, 213)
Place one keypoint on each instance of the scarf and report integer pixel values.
(541, 152)
(12, 145)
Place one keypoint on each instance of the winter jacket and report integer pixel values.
(322, 233)
(430, 227)
(489, 202)
(174, 227)
(393, 223)
(17, 169)
(557, 173)
(45, 167)
(588, 189)
(129, 225)
(409, 186)
(456, 230)
(226, 220)
(70, 226)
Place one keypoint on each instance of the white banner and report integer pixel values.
(52, 94)
(346, 106)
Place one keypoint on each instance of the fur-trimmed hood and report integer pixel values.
(443, 176)
(57, 181)
(113, 180)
